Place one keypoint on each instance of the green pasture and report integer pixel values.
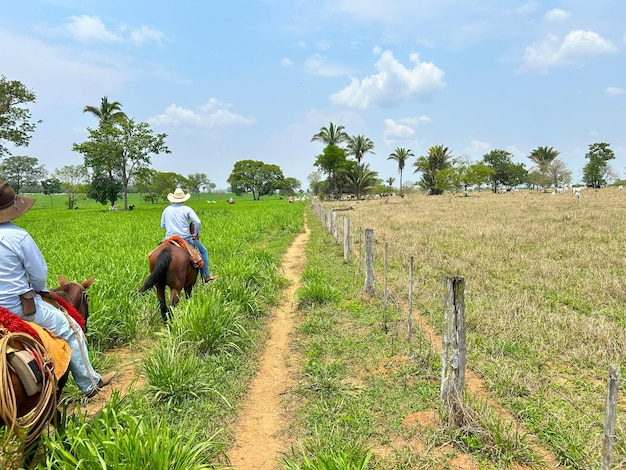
(545, 316)
(196, 369)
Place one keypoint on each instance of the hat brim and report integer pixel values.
(19, 207)
(172, 198)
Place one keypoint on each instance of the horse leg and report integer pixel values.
(188, 290)
(162, 303)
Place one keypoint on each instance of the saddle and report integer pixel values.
(27, 362)
(194, 253)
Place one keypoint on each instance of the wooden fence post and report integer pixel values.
(453, 347)
(335, 226)
(610, 414)
(346, 239)
(409, 320)
(369, 261)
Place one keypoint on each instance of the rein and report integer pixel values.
(30, 425)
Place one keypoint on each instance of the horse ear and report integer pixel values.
(62, 280)
(88, 282)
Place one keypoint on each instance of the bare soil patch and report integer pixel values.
(259, 437)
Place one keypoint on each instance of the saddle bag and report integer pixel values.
(27, 369)
(28, 303)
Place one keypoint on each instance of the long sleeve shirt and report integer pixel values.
(176, 219)
(22, 265)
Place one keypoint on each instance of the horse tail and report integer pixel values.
(159, 273)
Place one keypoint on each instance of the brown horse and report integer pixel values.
(35, 412)
(170, 266)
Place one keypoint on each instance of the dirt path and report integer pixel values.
(258, 440)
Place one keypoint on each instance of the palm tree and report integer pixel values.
(358, 146)
(401, 155)
(331, 135)
(108, 113)
(360, 178)
(438, 159)
(390, 182)
(543, 156)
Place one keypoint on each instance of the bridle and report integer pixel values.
(83, 304)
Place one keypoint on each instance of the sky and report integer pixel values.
(256, 79)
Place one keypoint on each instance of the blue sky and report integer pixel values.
(256, 79)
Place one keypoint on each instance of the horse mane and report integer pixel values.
(72, 312)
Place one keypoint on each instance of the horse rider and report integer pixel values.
(23, 275)
(176, 219)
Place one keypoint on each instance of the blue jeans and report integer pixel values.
(204, 271)
(49, 317)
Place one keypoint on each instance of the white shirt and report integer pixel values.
(176, 218)
(20, 261)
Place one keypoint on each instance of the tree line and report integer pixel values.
(440, 171)
(117, 158)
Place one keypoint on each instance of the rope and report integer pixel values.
(27, 428)
(80, 335)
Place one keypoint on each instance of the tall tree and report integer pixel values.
(505, 172)
(197, 181)
(558, 173)
(51, 186)
(400, 155)
(358, 146)
(331, 135)
(289, 186)
(316, 185)
(256, 177)
(121, 151)
(595, 172)
(390, 182)
(16, 126)
(108, 113)
(464, 174)
(104, 188)
(360, 179)
(438, 158)
(21, 171)
(71, 178)
(543, 156)
(333, 162)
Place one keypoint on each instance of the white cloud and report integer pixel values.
(87, 28)
(212, 114)
(286, 62)
(477, 148)
(145, 34)
(86, 73)
(403, 128)
(319, 65)
(575, 47)
(392, 84)
(556, 15)
(527, 8)
(613, 90)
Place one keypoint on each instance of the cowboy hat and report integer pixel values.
(178, 196)
(11, 204)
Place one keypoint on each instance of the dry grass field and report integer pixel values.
(545, 298)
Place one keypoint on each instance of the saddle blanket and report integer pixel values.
(57, 347)
(194, 253)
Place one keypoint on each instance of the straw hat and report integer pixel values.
(12, 205)
(178, 196)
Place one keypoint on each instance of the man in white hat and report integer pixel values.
(176, 220)
(23, 270)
